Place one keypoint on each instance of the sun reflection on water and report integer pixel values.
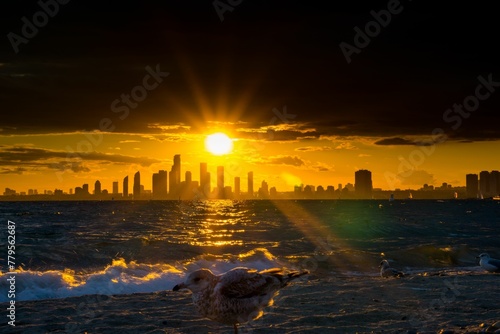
(214, 223)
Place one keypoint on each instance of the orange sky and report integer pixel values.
(283, 164)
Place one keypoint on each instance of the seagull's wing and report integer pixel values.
(495, 263)
(396, 272)
(246, 283)
(391, 272)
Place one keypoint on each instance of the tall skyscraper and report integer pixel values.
(175, 176)
(85, 188)
(125, 186)
(97, 187)
(471, 185)
(237, 187)
(484, 183)
(137, 185)
(208, 185)
(204, 187)
(172, 188)
(494, 183)
(177, 168)
(363, 183)
(250, 184)
(188, 177)
(115, 187)
(220, 181)
(264, 190)
(160, 185)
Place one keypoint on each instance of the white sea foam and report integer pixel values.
(121, 277)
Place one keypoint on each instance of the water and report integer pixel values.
(76, 248)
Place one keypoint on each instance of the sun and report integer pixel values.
(218, 144)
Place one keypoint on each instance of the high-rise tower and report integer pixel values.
(137, 185)
(363, 183)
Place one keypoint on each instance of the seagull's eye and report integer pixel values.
(197, 279)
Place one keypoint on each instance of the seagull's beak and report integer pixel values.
(179, 286)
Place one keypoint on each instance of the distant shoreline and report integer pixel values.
(70, 198)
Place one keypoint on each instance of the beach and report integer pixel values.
(462, 303)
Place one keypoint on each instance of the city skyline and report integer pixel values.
(304, 94)
(169, 185)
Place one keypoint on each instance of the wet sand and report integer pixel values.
(415, 304)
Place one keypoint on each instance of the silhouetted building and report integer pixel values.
(204, 179)
(97, 187)
(471, 185)
(250, 184)
(137, 185)
(115, 187)
(494, 183)
(188, 187)
(264, 190)
(160, 185)
(85, 188)
(9, 192)
(174, 178)
(308, 191)
(297, 191)
(484, 183)
(172, 189)
(208, 185)
(363, 183)
(237, 187)
(125, 186)
(220, 182)
(228, 192)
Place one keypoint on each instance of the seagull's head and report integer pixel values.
(196, 281)
(384, 264)
(483, 256)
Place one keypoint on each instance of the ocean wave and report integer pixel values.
(122, 277)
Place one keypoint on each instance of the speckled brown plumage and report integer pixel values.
(236, 296)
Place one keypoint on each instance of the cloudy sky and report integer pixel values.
(309, 94)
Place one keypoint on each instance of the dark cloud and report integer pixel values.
(264, 55)
(313, 148)
(284, 160)
(395, 141)
(16, 159)
(14, 170)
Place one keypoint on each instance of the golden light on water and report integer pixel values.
(218, 144)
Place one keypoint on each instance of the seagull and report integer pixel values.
(387, 271)
(236, 296)
(488, 263)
